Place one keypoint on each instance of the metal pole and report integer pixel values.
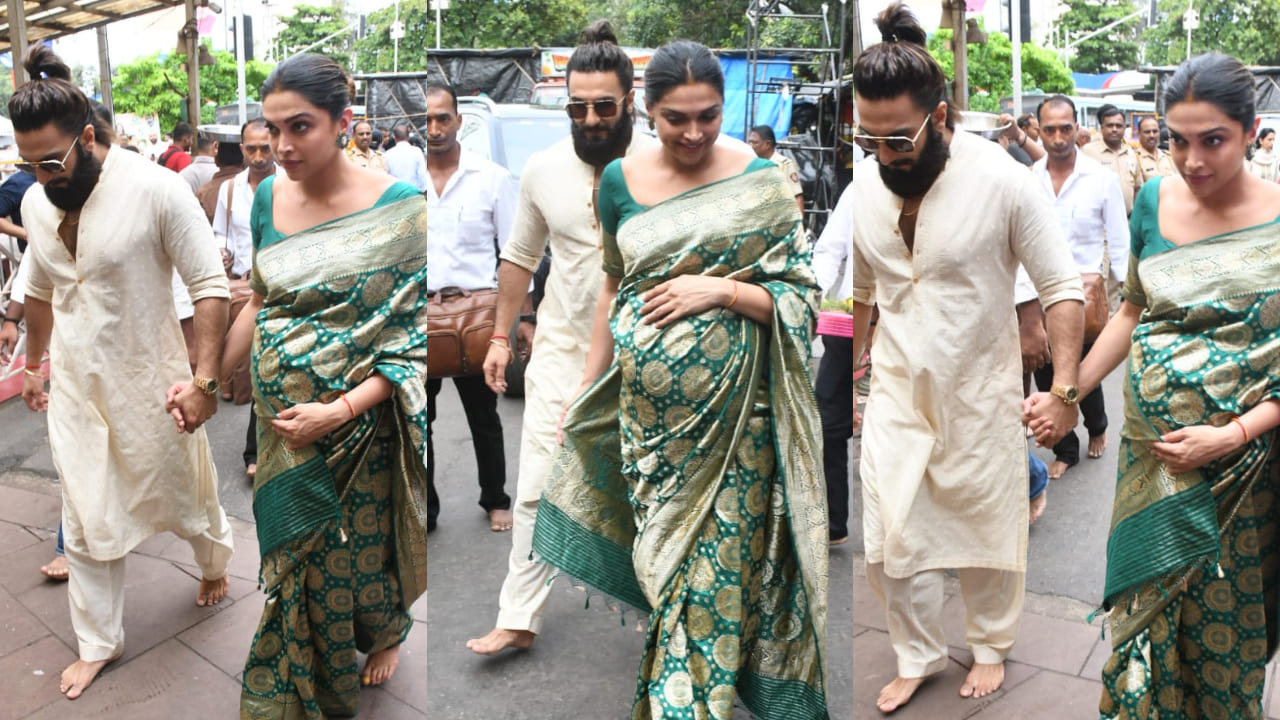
(857, 30)
(193, 68)
(961, 48)
(1015, 33)
(241, 104)
(104, 69)
(18, 40)
(437, 21)
(395, 60)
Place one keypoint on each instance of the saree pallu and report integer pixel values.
(1192, 558)
(341, 523)
(689, 483)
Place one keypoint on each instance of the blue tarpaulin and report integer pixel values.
(772, 109)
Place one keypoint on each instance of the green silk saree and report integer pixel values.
(689, 484)
(341, 523)
(1192, 558)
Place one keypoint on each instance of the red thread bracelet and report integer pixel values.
(350, 407)
(1243, 429)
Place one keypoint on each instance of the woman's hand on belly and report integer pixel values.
(685, 295)
(303, 424)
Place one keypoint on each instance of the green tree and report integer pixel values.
(156, 85)
(1115, 49)
(1246, 29)
(318, 29)
(991, 69)
(715, 23)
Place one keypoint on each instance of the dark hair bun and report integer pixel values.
(599, 31)
(43, 62)
(898, 24)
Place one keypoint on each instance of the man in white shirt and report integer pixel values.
(202, 166)
(471, 203)
(1090, 209)
(404, 161)
(834, 384)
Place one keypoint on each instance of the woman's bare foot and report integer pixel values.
(1056, 469)
(1037, 506)
(212, 591)
(1097, 446)
(897, 693)
(983, 679)
(499, 520)
(80, 675)
(499, 639)
(56, 569)
(380, 666)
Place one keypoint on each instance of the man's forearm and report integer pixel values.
(8, 227)
(211, 327)
(39, 316)
(1066, 339)
(513, 288)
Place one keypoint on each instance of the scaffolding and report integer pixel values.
(812, 76)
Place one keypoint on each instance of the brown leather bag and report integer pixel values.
(1096, 309)
(459, 327)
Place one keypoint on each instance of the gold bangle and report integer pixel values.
(505, 346)
(1243, 429)
(735, 293)
(33, 373)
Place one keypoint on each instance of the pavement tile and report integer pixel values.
(18, 626)
(31, 677)
(169, 681)
(30, 509)
(245, 561)
(1047, 696)
(14, 536)
(867, 610)
(224, 638)
(1062, 646)
(20, 569)
(378, 704)
(1097, 658)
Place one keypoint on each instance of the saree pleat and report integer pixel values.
(1192, 558)
(341, 523)
(689, 485)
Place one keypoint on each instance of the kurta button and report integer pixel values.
(79, 281)
(915, 279)
(896, 231)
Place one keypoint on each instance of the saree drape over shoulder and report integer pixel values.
(689, 482)
(341, 523)
(1192, 558)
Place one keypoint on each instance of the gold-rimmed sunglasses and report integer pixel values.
(605, 108)
(53, 167)
(896, 143)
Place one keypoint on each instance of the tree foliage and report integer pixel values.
(309, 29)
(1115, 49)
(1246, 29)
(990, 66)
(714, 23)
(156, 85)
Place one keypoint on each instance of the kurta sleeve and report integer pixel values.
(612, 186)
(504, 206)
(39, 284)
(188, 241)
(527, 242)
(1038, 243)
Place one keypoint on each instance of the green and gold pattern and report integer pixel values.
(342, 523)
(1192, 558)
(689, 483)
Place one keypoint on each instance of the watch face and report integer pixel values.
(1072, 394)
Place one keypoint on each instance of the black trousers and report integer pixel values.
(481, 407)
(834, 390)
(1091, 409)
(251, 438)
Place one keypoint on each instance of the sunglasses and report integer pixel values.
(896, 143)
(53, 167)
(577, 109)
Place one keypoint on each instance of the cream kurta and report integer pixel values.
(944, 460)
(117, 348)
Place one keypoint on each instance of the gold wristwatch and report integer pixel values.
(1068, 394)
(208, 386)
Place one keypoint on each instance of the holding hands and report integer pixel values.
(189, 406)
(1048, 417)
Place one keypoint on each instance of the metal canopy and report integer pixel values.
(56, 18)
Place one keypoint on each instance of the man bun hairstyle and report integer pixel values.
(599, 52)
(901, 64)
(1220, 80)
(318, 79)
(681, 62)
(49, 97)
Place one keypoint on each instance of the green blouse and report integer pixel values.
(263, 230)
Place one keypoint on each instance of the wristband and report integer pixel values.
(735, 293)
(500, 337)
(530, 318)
(36, 366)
(34, 373)
(511, 353)
(343, 398)
(15, 321)
(1243, 429)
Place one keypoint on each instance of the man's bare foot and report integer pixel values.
(983, 679)
(1037, 506)
(1097, 445)
(251, 470)
(80, 675)
(380, 666)
(212, 591)
(1056, 469)
(499, 520)
(56, 569)
(499, 639)
(897, 693)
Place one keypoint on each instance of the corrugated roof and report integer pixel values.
(56, 18)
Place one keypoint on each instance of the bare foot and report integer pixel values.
(1097, 445)
(983, 679)
(499, 639)
(251, 470)
(380, 666)
(56, 569)
(1037, 506)
(1056, 469)
(897, 693)
(499, 520)
(80, 675)
(212, 591)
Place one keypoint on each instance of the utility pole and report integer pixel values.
(960, 46)
(1191, 20)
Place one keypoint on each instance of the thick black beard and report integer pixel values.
(72, 193)
(915, 180)
(598, 153)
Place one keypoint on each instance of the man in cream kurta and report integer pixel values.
(115, 349)
(944, 461)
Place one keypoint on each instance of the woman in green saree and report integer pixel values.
(337, 322)
(689, 484)
(1192, 557)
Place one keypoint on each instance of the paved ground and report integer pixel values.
(180, 660)
(1053, 672)
(587, 657)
